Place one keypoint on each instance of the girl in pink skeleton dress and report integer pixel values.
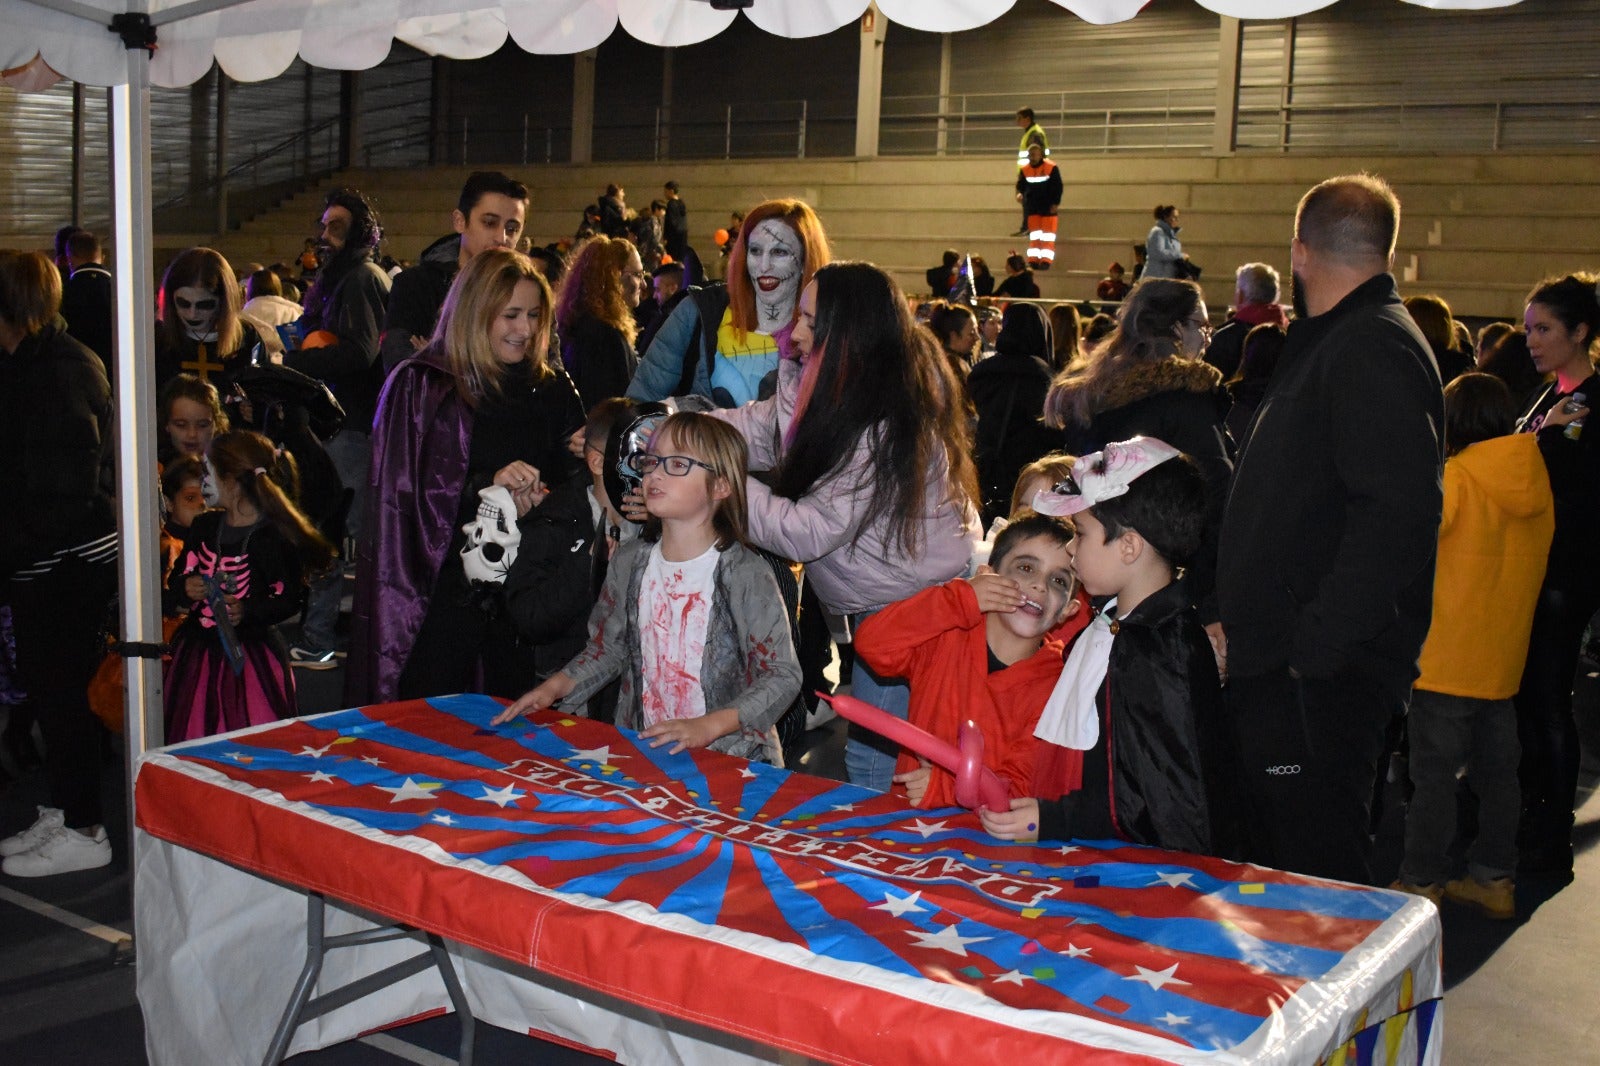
(241, 571)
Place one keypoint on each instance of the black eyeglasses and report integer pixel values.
(676, 465)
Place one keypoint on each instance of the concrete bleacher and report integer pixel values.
(1478, 230)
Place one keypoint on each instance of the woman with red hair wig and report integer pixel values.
(726, 343)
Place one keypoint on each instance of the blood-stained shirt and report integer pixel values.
(674, 611)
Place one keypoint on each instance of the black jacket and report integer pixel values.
(1008, 390)
(1182, 402)
(675, 230)
(1574, 468)
(1162, 772)
(551, 589)
(599, 358)
(87, 298)
(1332, 525)
(416, 297)
(349, 301)
(56, 448)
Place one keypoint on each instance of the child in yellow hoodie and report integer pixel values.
(1494, 540)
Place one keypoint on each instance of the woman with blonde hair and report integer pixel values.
(1148, 378)
(482, 405)
(604, 283)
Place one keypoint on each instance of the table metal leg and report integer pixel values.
(301, 1008)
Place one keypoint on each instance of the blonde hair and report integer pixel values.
(592, 287)
(723, 449)
(30, 290)
(1057, 466)
(480, 292)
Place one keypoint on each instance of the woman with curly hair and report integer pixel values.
(1148, 378)
(594, 314)
(483, 404)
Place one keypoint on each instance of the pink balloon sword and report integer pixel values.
(976, 785)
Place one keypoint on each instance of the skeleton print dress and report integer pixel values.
(206, 690)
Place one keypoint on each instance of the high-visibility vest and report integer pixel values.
(1030, 135)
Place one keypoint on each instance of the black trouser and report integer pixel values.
(56, 619)
(1309, 753)
(455, 636)
(1549, 735)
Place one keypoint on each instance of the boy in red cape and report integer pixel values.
(987, 649)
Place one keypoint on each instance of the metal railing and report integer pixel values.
(1095, 121)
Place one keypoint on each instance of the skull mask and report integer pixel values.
(492, 540)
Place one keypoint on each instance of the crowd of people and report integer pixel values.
(1187, 583)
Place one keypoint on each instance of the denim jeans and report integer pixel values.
(351, 453)
(868, 757)
(1447, 733)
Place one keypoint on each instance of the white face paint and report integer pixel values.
(774, 261)
(196, 309)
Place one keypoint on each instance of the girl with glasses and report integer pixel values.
(690, 617)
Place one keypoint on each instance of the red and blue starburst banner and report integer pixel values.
(805, 913)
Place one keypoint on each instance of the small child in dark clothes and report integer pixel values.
(1139, 694)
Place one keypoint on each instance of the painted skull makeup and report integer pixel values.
(775, 260)
(197, 309)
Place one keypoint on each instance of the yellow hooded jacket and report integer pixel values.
(1494, 541)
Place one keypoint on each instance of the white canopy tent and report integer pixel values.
(130, 45)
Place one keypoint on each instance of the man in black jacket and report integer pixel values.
(341, 327)
(86, 297)
(488, 214)
(1325, 572)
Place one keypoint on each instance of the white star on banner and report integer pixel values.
(1012, 977)
(412, 789)
(927, 829)
(1174, 880)
(601, 755)
(501, 796)
(236, 756)
(321, 775)
(315, 753)
(371, 760)
(947, 939)
(899, 905)
(444, 819)
(1075, 952)
(1156, 979)
(1170, 1018)
(747, 773)
(841, 807)
(1068, 849)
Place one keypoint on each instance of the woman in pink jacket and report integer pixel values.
(872, 484)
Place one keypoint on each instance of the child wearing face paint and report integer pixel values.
(201, 331)
(1139, 695)
(988, 649)
(255, 551)
(689, 617)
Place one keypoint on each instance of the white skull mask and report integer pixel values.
(492, 540)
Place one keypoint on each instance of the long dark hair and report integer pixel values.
(883, 375)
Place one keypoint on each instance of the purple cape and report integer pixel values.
(420, 440)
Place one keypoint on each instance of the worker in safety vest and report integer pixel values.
(1039, 192)
(1032, 133)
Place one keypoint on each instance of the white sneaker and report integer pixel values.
(64, 851)
(820, 715)
(50, 819)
